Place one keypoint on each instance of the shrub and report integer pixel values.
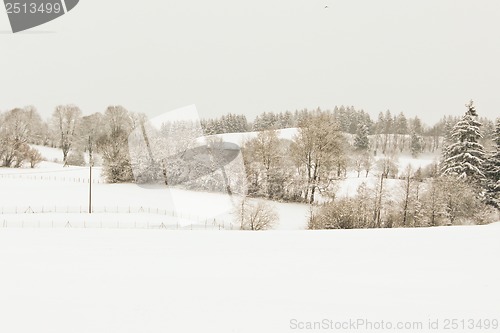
(257, 216)
(76, 159)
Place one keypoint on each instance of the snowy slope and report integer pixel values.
(55, 155)
(49, 154)
(241, 138)
(53, 188)
(124, 281)
(421, 161)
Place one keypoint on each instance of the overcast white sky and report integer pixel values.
(424, 57)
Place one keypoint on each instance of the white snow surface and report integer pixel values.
(241, 138)
(49, 154)
(420, 162)
(33, 197)
(134, 266)
(119, 281)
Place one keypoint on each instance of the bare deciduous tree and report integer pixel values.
(65, 120)
(257, 215)
(265, 155)
(90, 130)
(118, 124)
(17, 128)
(316, 150)
(34, 157)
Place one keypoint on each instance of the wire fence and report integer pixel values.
(121, 217)
(37, 216)
(49, 177)
(110, 224)
(42, 209)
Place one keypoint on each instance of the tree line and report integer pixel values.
(105, 133)
(308, 168)
(463, 188)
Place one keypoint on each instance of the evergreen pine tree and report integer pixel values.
(448, 129)
(464, 156)
(361, 141)
(416, 144)
(492, 170)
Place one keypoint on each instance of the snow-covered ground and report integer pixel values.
(49, 154)
(349, 186)
(241, 138)
(120, 281)
(165, 260)
(54, 195)
(55, 154)
(51, 188)
(421, 161)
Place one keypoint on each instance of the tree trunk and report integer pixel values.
(379, 203)
(407, 195)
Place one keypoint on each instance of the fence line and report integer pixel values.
(106, 224)
(195, 221)
(52, 178)
(198, 222)
(42, 209)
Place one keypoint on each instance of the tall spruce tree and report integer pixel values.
(492, 170)
(416, 144)
(361, 141)
(464, 156)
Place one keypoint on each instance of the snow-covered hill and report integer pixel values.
(50, 154)
(241, 138)
(51, 190)
(55, 155)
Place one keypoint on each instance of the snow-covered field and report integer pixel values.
(119, 281)
(146, 262)
(51, 189)
(52, 195)
(55, 154)
(241, 138)
(49, 154)
(422, 161)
